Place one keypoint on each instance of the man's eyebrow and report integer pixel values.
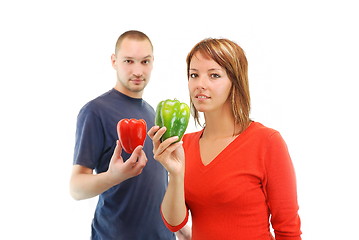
(148, 56)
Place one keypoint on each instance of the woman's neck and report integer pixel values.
(220, 126)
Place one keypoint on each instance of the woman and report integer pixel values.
(235, 175)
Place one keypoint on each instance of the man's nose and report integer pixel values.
(137, 70)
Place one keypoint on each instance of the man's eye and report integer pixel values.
(128, 61)
(146, 61)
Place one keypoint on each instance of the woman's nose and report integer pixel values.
(201, 83)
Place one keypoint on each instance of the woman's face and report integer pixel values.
(208, 84)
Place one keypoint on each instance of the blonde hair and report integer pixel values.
(231, 57)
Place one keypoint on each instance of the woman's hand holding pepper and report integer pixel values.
(169, 152)
(171, 155)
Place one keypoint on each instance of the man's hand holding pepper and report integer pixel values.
(84, 184)
(119, 170)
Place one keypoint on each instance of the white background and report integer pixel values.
(55, 56)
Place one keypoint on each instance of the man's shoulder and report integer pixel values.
(94, 105)
(103, 98)
(99, 101)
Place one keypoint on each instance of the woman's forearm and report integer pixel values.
(173, 205)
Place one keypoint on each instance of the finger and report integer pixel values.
(172, 152)
(143, 155)
(118, 150)
(166, 144)
(132, 160)
(158, 134)
(152, 131)
(142, 160)
(156, 139)
(173, 147)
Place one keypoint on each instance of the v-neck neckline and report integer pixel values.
(219, 155)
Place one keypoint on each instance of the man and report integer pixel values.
(130, 187)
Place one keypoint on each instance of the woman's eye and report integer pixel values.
(215, 75)
(193, 75)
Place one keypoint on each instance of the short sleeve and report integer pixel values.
(90, 137)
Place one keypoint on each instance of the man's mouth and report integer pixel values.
(137, 80)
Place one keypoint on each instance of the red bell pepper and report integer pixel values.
(131, 133)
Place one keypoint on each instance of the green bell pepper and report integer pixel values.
(173, 115)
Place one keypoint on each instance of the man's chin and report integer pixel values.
(136, 88)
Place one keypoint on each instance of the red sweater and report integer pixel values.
(249, 185)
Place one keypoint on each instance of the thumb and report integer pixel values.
(117, 152)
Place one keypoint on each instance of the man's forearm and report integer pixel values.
(84, 186)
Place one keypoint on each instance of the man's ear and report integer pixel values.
(113, 60)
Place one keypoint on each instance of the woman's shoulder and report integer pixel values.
(193, 134)
(257, 128)
(190, 137)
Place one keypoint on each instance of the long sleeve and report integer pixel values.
(248, 186)
(175, 228)
(281, 190)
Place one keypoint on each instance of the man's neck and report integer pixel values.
(129, 93)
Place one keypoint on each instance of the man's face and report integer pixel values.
(133, 63)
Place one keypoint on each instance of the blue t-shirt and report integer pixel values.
(130, 210)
